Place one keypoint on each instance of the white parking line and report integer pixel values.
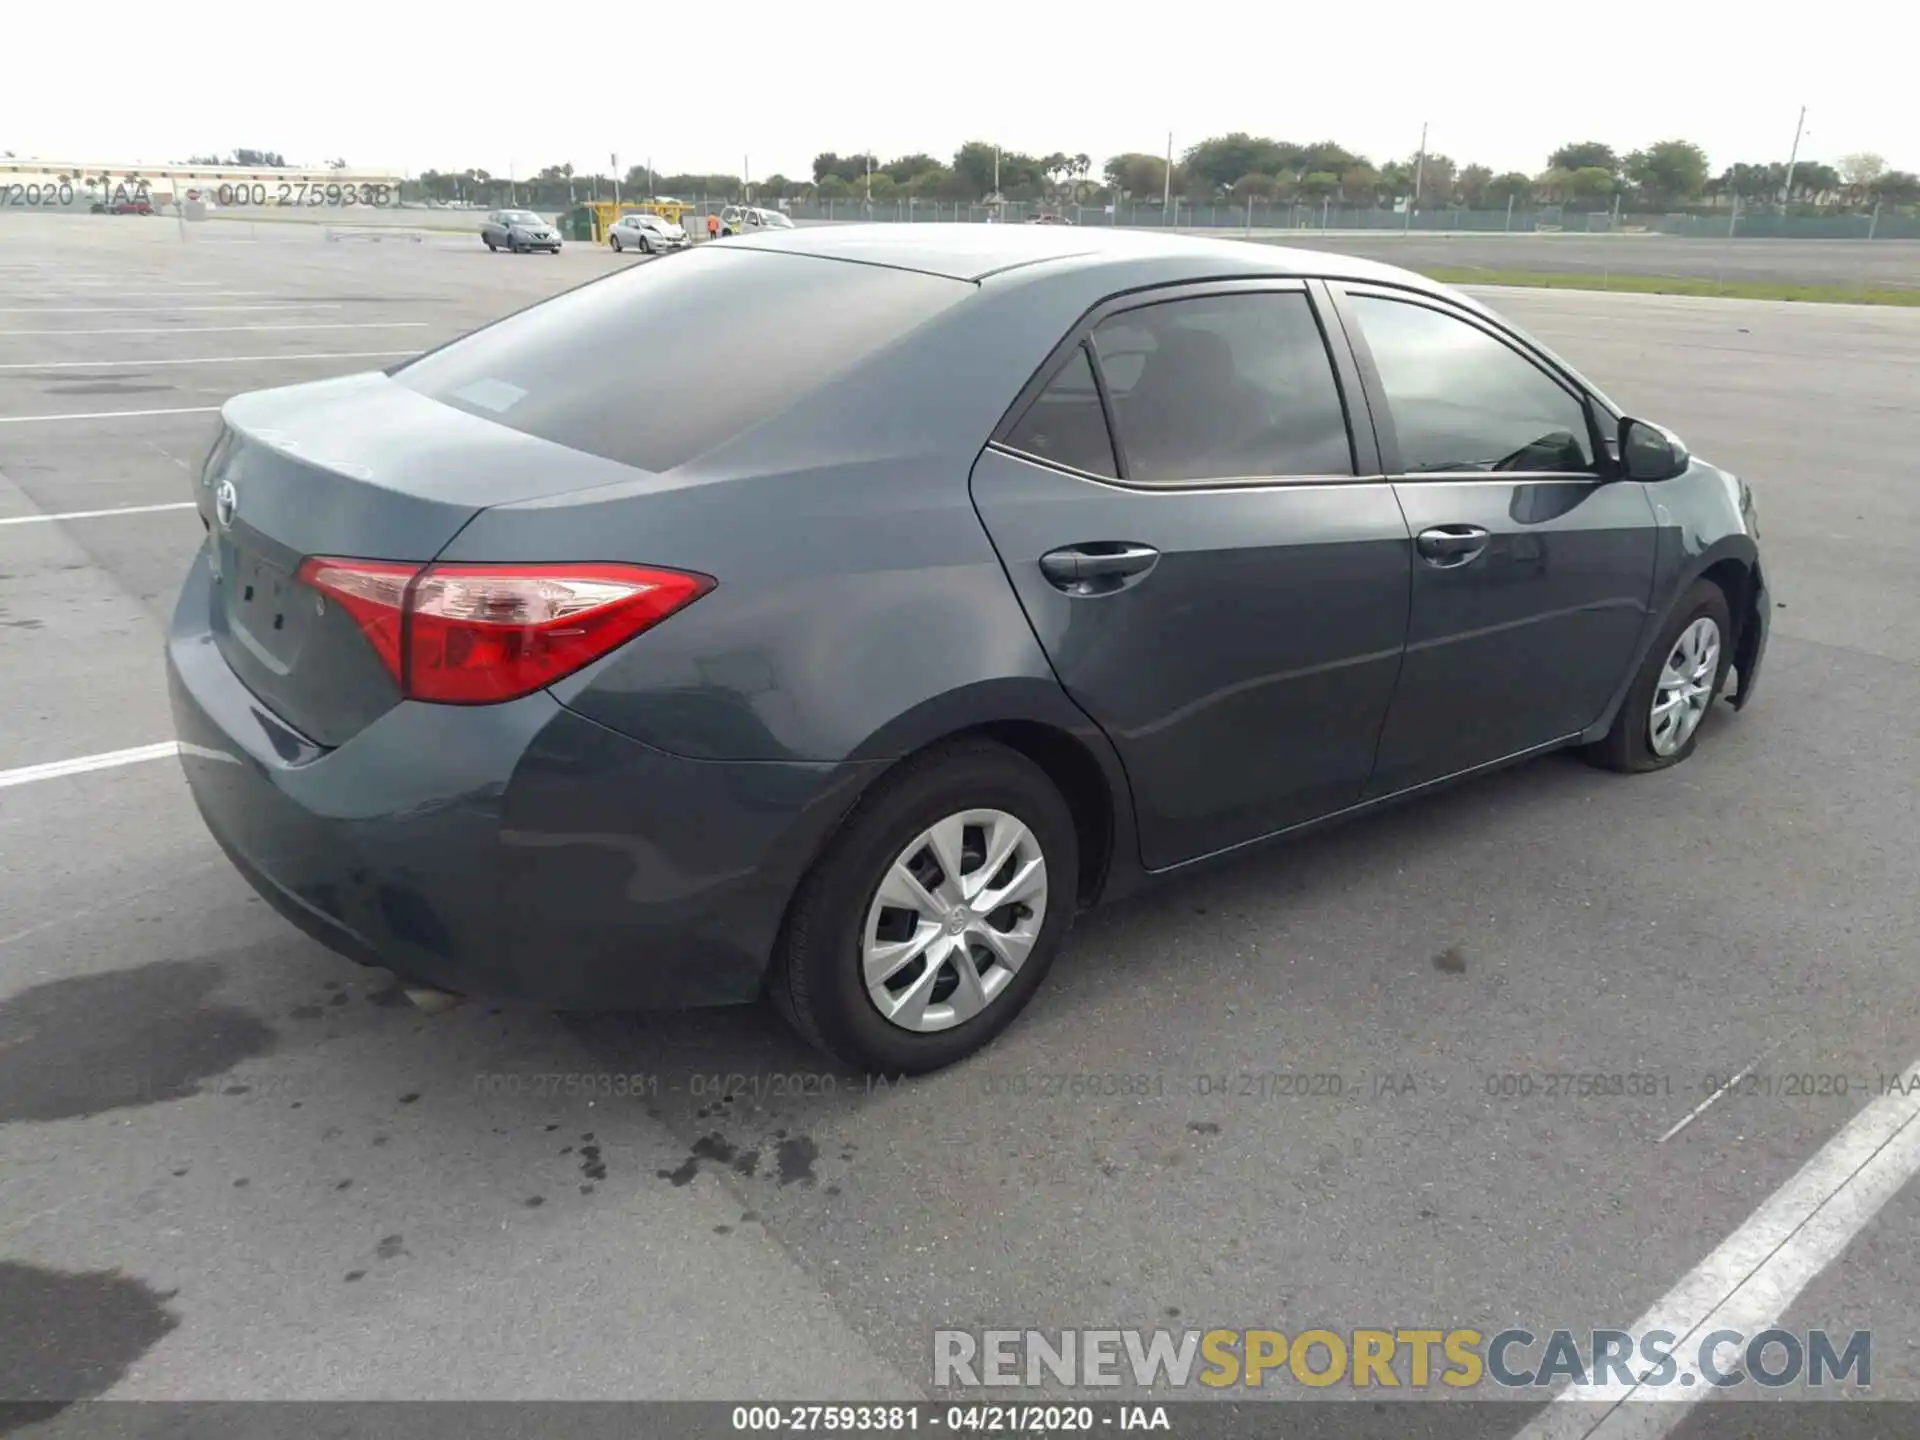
(96, 514)
(1748, 1283)
(202, 360)
(152, 309)
(27, 774)
(230, 329)
(108, 414)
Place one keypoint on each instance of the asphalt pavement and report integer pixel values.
(1312, 1089)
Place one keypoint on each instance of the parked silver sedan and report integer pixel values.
(519, 231)
(647, 233)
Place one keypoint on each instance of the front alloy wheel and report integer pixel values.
(953, 920)
(1688, 682)
(1659, 721)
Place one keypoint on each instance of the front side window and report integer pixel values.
(1463, 401)
(1223, 387)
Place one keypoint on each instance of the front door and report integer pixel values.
(1533, 566)
(1215, 580)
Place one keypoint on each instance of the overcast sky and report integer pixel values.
(707, 87)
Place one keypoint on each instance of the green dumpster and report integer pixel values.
(577, 224)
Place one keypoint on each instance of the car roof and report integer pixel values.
(976, 252)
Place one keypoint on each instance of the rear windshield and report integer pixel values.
(656, 365)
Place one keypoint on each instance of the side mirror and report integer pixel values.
(1650, 452)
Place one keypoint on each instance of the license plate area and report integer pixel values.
(266, 610)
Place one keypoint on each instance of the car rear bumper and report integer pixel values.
(519, 851)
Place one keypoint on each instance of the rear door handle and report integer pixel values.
(1097, 567)
(1448, 545)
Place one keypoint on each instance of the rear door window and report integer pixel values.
(559, 370)
(1223, 387)
(1065, 424)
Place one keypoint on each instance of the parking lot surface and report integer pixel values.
(1313, 1089)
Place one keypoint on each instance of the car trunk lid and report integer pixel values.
(358, 468)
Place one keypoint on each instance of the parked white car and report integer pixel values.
(649, 234)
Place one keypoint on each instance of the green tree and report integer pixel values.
(1817, 181)
(973, 164)
(910, 167)
(1140, 175)
(1895, 187)
(1585, 155)
(1320, 155)
(832, 187)
(1436, 178)
(1472, 184)
(1514, 185)
(1590, 182)
(1223, 159)
(1750, 182)
(1318, 185)
(776, 186)
(1669, 172)
(934, 184)
(1360, 184)
(1255, 187)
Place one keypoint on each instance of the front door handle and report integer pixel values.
(1449, 545)
(1098, 567)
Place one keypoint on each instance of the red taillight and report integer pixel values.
(478, 634)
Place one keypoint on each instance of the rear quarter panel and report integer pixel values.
(860, 608)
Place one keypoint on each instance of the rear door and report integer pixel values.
(1533, 566)
(1209, 554)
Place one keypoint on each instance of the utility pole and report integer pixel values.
(614, 160)
(1419, 170)
(869, 177)
(996, 172)
(650, 192)
(1793, 158)
(1166, 197)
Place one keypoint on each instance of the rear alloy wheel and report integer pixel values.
(1659, 722)
(935, 913)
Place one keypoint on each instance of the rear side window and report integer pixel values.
(1223, 387)
(1066, 424)
(656, 365)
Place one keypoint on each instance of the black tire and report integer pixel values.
(615, 239)
(1627, 747)
(646, 245)
(816, 981)
(492, 249)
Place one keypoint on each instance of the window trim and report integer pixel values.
(1362, 445)
(1393, 462)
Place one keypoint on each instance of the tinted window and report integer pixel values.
(1462, 400)
(749, 333)
(1223, 386)
(1065, 423)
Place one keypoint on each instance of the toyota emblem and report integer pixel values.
(226, 500)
